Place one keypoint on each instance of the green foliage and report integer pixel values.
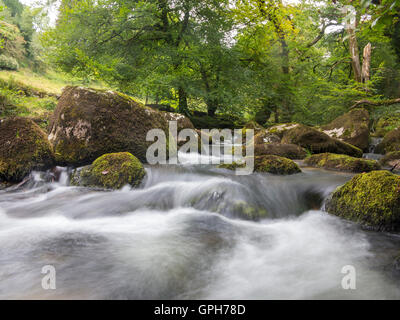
(246, 58)
(8, 63)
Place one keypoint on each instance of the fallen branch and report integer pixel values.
(375, 103)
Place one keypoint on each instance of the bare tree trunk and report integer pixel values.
(365, 72)
(353, 46)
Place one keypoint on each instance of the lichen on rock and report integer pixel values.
(88, 123)
(110, 171)
(352, 127)
(318, 142)
(342, 162)
(372, 199)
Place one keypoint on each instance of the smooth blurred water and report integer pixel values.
(184, 234)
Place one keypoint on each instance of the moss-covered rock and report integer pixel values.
(352, 127)
(88, 123)
(342, 162)
(290, 151)
(268, 164)
(390, 143)
(387, 124)
(318, 142)
(275, 165)
(110, 171)
(23, 147)
(392, 160)
(372, 199)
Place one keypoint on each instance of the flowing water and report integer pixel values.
(183, 234)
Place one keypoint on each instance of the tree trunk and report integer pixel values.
(354, 53)
(183, 105)
(365, 72)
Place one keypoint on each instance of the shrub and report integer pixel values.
(8, 63)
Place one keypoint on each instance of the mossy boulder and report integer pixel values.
(275, 165)
(110, 171)
(342, 162)
(23, 147)
(88, 123)
(268, 164)
(372, 199)
(386, 124)
(290, 151)
(392, 160)
(352, 127)
(390, 143)
(318, 142)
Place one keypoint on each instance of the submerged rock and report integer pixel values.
(342, 162)
(23, 147)
(372, 199)
(268, 164)
(110, 171)
(318, 142)
(352, 127)
(390, 143)
(88, 123)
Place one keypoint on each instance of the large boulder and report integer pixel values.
(372, 199)
(342, 162)
(352, 127)
(290, 151)
(110, 171)
(183, 122)
(318, 142)
(390, 143)
(23, 147)
(268, 164)
(88, 123)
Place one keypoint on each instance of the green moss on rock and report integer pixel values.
(372, 199)
(110, 171)
(390, 143)
(246, 211)
(342, 162)
(275, 165)
(23, 147)
(387, 124)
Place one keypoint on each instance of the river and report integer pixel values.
(183, 235)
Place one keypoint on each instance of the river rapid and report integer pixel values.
(183, 235)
